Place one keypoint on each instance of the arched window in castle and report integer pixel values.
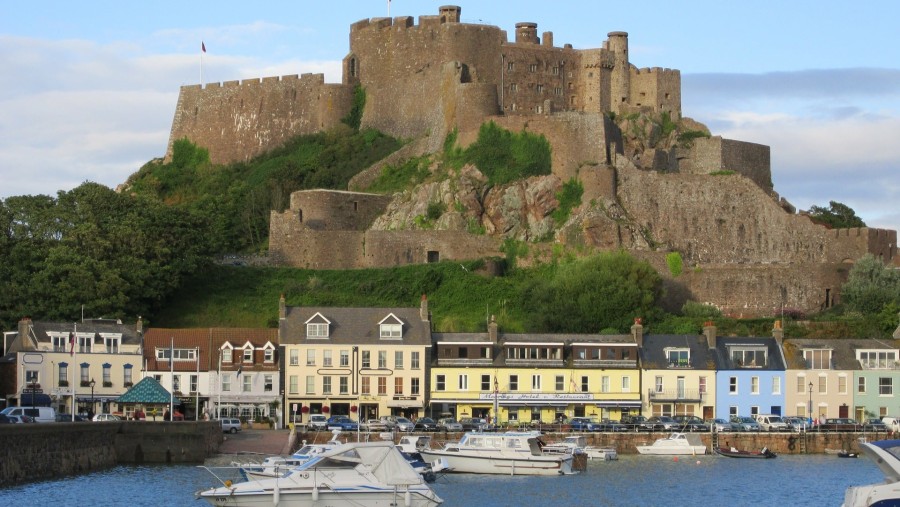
(513, 87)
(540, 88)
(352, 67)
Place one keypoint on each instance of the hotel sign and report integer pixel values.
(537, 396)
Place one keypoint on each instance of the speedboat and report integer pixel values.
(675, 444)
(577, 444)
(885, 454)
(733, 452)
(356, 474)
(601, 453)
(274, 466)
(510, 453)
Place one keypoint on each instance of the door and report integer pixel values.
(844, 411)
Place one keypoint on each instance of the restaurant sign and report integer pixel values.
(537, 396)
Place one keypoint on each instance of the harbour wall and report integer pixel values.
(41, 451)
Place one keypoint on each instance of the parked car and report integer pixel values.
(585, 424)
(373, 425)
(874, 425)
(739, 423)
(318, 422)
(404, 424)
(106, 418)
(68, 418)
(475, 424)
(797, 424)
(449, 424)
(342, 422)
(36, 414)
(19, 419)
(839, 424)
(426, 424)
(389, 422)
(691, 423)
(230, 425)
(614, 426)
(718, 425)
(771, 422)
(5, 420)
(639, 423)
(663, 421)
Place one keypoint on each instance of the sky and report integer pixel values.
(88, 89)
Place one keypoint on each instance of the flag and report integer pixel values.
(71, 344)
(202, 47)
(238, 374)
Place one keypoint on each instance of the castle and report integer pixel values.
(750, 252)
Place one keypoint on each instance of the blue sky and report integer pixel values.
(88, 89)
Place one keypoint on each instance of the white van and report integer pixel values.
(39, 414)
(769, 422)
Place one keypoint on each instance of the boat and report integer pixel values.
(675, 444)
(275, 466)
(885, 454)
(509, 453)
(842, 453)
(577, 444)
(732, 452)
(356, 474)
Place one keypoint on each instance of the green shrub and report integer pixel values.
(700, 310)
(503, 156)
(393, 178)
(354, 117)
(673, 259)
(569, 197)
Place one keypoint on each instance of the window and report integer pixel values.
(345, 358)
(366, 385)
(555, 71)
(463, 382)
(861, 385)
(267, 382)
(823, 385)
(391, 331)
(326, 358)
(317, 330)
(382, 386)
(293, 385)
(310, 357)
(560, 383)
(162, 354)
(226, 355)
(513, 382)
(626, 384)
(344, 385)
(107, 374)
(382, 359)
(776, 385)
(398, 359)
(818, 359)
(486, 383)
(414, 360)
(59, 343)
(584, 384)
(366, 359)
(535, 382)
(558, 91)
(440, 383)
(112, 344)
(295, 357)
(85, 344)
(326, 384)
(842, 385)
(195, 381)
(678, 358)
(510, 66)
(176, 383)
(702, 385)
(398, 386)
(658, 384)
(248, 355)
(604, 384)
(885, 386)
(129, 380)
(754, 385)
(269, 355)
(540, 88)
(877, 359)
(414, 386)
(748, 358)
(226, 383)
(513, 87)
(31, 377)
(248, 384)
(533, 67)
(733, 385)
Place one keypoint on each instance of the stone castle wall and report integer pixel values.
(716, 154)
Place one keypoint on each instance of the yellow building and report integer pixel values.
(515, 379)
(361, 362)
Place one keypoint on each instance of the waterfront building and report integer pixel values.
(750, 374)
(533, 378)
(678, 372)
(217, 372)
(93, 361)
(361, 362)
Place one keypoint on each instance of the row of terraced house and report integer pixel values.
(370, 362)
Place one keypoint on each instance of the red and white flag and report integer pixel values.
(202, 46)
(71, 344)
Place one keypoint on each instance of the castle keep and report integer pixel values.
(712, 200)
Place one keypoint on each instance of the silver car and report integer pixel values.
(449, 424)
(718, 425)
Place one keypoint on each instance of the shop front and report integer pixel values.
(615, 409)
(409, 407)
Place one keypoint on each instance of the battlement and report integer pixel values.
(308, 78)
(447, 14)
(653, 70)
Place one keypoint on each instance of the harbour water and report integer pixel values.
(709, 481)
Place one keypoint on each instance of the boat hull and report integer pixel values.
(692, 450)
(344, 497)
(488, 463)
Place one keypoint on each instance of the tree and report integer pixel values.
(584, 296)
(835, 216)
(871, 285)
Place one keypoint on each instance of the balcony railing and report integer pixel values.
(551, 363)
(605, 363)
(676, 395)
(464, 361)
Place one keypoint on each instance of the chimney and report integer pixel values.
(492, 329)
(778, 333)
(282, 309)
(709, 329)
(637, 332)
(24, 338)
(139, 327)
(423, 309)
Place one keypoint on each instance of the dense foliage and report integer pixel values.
(236, 199)
(504, 156)
(835, 216)
(93, 250)
(871, 286)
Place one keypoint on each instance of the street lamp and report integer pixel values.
(496, 403)
(809, 407)
(92, 397)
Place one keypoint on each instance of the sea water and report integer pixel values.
(815, 481)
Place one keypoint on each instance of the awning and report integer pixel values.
(533, 404)
(404, 404)
(620, 403)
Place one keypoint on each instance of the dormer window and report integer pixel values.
(248, 355)
(749, 357)
(817, 359)
(678, 358)
(317, 326)
(226, 353)
(877, 359)
(391, 328)
(269, 356)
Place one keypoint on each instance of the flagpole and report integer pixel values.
(197, 399)
(218, 387)
(172, 379)
(74, 378)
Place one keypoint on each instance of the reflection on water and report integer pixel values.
(815, 481)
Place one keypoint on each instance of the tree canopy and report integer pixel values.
(871, 286)
(836, 216)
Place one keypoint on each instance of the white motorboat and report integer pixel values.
(885, 454)
(675, 444)
(274, 466)
(510, 453)
(356, 474)
(601, 453)
(577, 444)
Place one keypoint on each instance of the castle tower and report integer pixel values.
(620, 80)
(449, 13)
(526, 33)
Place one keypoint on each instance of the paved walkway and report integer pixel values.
(266, 442)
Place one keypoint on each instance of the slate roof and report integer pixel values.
(724, 361)
(843, 355)
(353, 326)
(653, 355)
(147, 391)
(208, 340)
(40, 331)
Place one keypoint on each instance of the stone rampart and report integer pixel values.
(717, 154)
(43, 451)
